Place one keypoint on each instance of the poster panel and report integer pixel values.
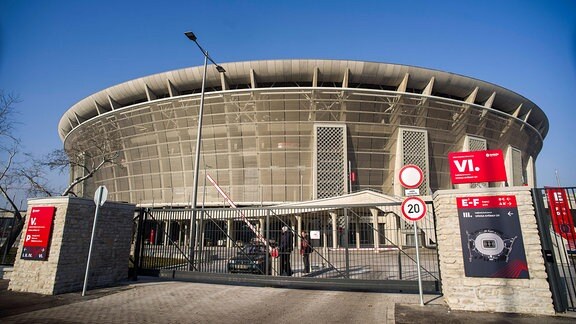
(38, 233)
(561, 216)
(492, 241)
(477, 166)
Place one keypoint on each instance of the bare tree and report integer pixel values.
(93, 149)
(9, 182)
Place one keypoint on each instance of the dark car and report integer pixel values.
(251, 259)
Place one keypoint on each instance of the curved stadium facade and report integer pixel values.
(293, 130)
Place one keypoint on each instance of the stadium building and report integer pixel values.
(284, 131)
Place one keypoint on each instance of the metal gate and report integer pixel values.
(360, 247)
(554, 214)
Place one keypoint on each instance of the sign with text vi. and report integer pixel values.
(477, 166)
(38, 233)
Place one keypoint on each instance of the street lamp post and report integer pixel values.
(220, 69)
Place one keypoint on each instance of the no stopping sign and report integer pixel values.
(413, 208)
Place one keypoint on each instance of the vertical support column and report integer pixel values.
(299, 230)
(392, 225)
(262, 222)
(376, 235)
(334, 230)
(202, 231)
(293, 221)
(357, 231)
(229, 232)
(165, 240)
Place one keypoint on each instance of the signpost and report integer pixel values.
(413, 208)
(99, 199)
(411, 176)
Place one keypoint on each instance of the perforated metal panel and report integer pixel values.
(475, 144)
(415, 151)
(330, 161)
(517, 171)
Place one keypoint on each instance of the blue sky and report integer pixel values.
(55, 53)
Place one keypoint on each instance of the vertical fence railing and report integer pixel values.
(6, 224)
(557, 233)
(368, 242)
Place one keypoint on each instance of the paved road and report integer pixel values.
(153, 301)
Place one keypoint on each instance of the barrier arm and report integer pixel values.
(259, 236)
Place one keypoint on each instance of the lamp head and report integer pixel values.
(220, 69)
(190, 36)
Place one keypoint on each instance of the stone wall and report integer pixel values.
(64, 269)
(531, 296)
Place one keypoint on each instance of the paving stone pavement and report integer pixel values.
(154, 301)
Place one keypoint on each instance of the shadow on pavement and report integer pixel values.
(14, 303)
(442, 314)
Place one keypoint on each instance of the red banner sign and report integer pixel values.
(477, 166)
(561, 216)
(38, 233)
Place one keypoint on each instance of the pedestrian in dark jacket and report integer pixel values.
(285, 249)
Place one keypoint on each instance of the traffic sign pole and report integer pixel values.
(416, 241)
(414, 208)
(99, 198)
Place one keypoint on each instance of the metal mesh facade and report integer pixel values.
(476, 144)
(330, 161)
(259, 129)
(517, 170)
(415, 151)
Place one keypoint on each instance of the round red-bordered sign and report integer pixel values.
(413, 208)
(411, 176)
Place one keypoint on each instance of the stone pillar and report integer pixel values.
(531, 296)
(65, 267)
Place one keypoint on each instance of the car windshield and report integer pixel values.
(253, 249)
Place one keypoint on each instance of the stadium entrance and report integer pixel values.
(318, 244)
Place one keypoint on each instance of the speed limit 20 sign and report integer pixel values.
(413, 208)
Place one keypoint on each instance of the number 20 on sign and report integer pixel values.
(413, 208)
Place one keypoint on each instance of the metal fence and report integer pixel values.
(360, 242)
(6, 255)
(555, 210)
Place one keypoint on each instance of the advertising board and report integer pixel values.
(491, 237)
(38, 233)
(477, 166)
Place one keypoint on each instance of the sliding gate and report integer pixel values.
(362, 247)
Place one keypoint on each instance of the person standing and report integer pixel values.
(305, 250)
(285, 249)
